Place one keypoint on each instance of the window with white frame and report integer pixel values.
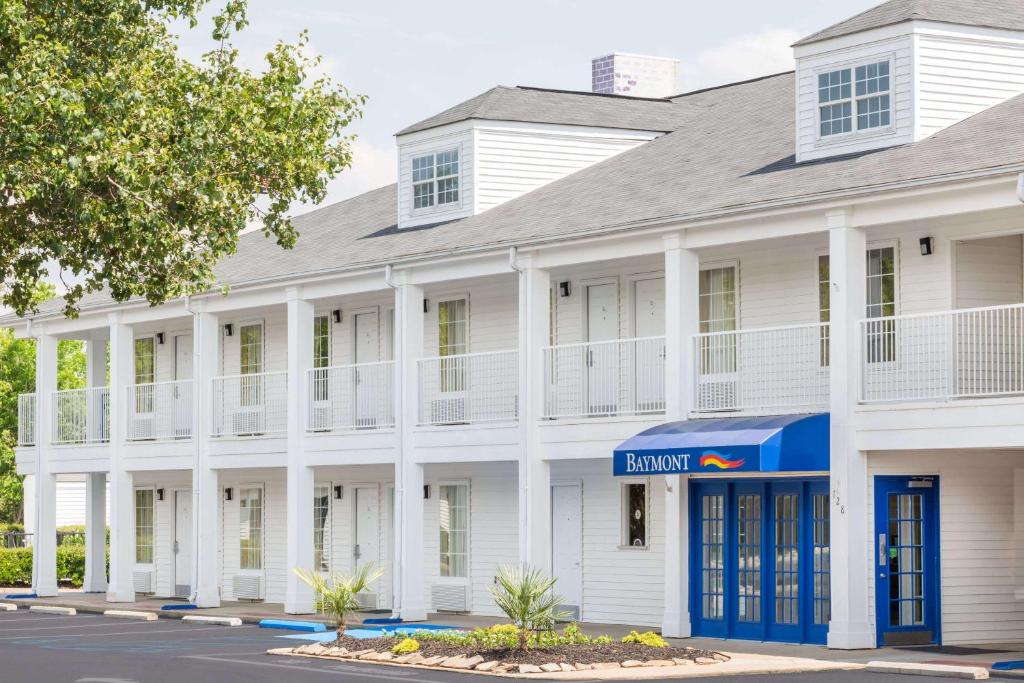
(250, 528)
(145, 373)
(717, 297)
(452, 322)
(634, 514)
(321, 355)
(855, 98)
(144, 526)
(881, 302)
(435, 179)
(453, 516)
(824, 309)
(321, 527)
(250, 362)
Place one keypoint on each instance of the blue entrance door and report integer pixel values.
(907, 560)
(760, 559)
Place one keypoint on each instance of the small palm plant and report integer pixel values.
(336, 593)
(526, 596)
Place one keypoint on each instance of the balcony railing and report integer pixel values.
(770, 370)
(469, 388)
(596, 379)
(81, 416)
(26, 419)
(250, 405)
(961, 354)
(347, 397)
(162, 410)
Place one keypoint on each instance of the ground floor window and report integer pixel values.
(634, 514)
(321, 526)
(454, 524)
(144, 526)
(250, 517)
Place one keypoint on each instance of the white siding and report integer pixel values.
(981, 494)
(275, 340)
(71, 503)
(458, 136)
(275, 527)
(989, 272)
(493, 311)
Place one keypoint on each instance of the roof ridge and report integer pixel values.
(589, 93)
(732, 84)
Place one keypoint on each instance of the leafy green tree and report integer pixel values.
(134, 169)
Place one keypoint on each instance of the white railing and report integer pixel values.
(347, 397)
(778, 369)
(162, 410)
(595, 379)
(250, 405)
(26, 419)
(469, 388)
(968, 353)
(81, 416)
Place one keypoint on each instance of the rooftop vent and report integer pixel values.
(635, 75)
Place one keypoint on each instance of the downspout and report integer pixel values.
(399, 523)
(513, 255)
(197, 479)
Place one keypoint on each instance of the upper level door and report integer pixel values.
(649, 354)
(182, 371)
(602, 359)
(367, 349)
(649, 307)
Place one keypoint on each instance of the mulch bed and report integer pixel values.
(569, 654)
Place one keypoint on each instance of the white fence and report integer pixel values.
(347, 397)
(26, 419)
(968, 353)
(469, 388)
(250, 405)
(778, 369)
(619, 377)
(81, 416)
(162, 410)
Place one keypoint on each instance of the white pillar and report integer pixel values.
(409, 571)
(96, 363)
(122, 495)
(850, 626)
(682, 322)
(299, 598)
(95, 532)
(534, 471)
(205, 489)
(44, 540)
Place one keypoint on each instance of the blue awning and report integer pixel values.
(774, 443)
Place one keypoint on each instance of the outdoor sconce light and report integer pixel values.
(159, 494)
(227, 493)
(564, 288)
(927, 246)
(337, 315)
(426, 492)
(160, 340)
(426, 305)
(228, 328)
(339, 491)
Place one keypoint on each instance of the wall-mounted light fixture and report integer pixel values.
(159, 494)
(159, 337)
(426, 305)
(228, 329)
(927, 246)
(426, 492)
(564, 288)
(339, 492)
(337, 315)
(227, 493)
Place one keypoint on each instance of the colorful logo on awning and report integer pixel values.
(715, 459)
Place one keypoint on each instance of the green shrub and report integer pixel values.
(16, 565)
(12, 527)
(649, 638)
(406, 647)
(508, 637)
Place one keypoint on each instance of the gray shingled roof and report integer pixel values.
(1008, 14)
(539, 105)
(733, 149)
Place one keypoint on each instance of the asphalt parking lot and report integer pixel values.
(92, 648)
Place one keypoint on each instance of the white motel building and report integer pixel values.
(744, 362)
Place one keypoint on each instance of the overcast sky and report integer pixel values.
(414, 59)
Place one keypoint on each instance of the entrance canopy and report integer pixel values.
(773, 443)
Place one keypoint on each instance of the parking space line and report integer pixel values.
(96, 624)
(48, 617)
(336, 671)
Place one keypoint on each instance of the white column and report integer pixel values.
(850, 627)
(299, 598)
(96, 363)
(205, 489)
(534, 471)
(122, 495)
(95, 532)
(44, 540)
(682, 322)
(409, 570)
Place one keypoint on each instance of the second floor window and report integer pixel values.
(250, 362)
(718, 314)
(321, 355)
(451, 341)
(435, 179)
(881, 303)
(855, 99)
(145, 373)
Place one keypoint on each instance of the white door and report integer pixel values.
(567, 544)
(649, 356)
(367, 348)
(602, 359)
(182, 371)
(366, 532)
(182, 543)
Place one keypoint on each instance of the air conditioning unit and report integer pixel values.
(248, 423)
(141, 427)
(720, 395)
(446, 597)
(320, 418)
(142, 580)
(367, 600)
(248, 586)
(448, 410)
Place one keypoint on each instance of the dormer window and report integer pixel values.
(435, 179)
(854, 99)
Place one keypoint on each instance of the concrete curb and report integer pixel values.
(127, 614)
(49, 609)
(973, 673)
(218, 621)
(8, 607)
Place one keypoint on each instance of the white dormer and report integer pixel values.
(861, 86)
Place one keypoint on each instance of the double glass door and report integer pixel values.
(760, 559)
